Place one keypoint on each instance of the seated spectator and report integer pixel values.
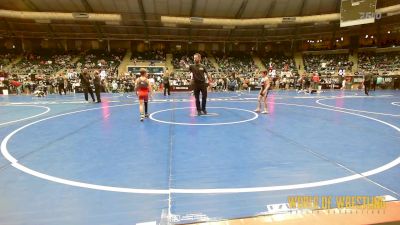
(278, 62)
(326, 64)
(383, 62)
(237, 62)
(157, 55)
(232, 84)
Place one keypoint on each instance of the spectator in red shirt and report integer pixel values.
(315, 81)
(17, 86)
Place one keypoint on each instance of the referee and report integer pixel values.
(199, 76)
(167, 87)
(85, 84)
(97, 85)
(367, 82)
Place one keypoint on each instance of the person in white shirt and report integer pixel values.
(103, 74)
(152, 82)
(114, 86)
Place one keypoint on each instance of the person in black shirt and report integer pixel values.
(85, 83)
(367, 82)
(167, 87)
(199, 76)
(97, 85)
(60, 83)
(374, 81)
(6, 83)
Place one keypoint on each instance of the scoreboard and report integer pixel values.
(357, 12)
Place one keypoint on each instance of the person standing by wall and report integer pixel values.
(367, 82)
(315, 81)
(374, 80)
(166, 84)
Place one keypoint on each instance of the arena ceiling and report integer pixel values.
(141, 19)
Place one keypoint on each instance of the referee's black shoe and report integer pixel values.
(198, 113)
(204, 112)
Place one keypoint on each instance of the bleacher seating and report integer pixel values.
(326, 64)
(148, 56)
(7, 57)
(385, 62)
(235, 62)
(96, 59)
(279, 62)
(44, 62)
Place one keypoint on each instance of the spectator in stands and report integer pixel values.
(213, 84)
(49, 86)
(232, 83)
(26, 86)
(106, 85)
(152, 82)
(343, 83)
(17, 85)
(114, 86)
(307, 84)
(246, 84)
(225, 82)
(239, 83)
(2, 86)
(326, 64)
(67, 85)
(220, 84)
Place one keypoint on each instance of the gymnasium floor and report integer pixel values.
(68, 162)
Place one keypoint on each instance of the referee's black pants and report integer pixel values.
(97, 90)
(367, 87)
(88, 90)
(61, 88)
(167, 89)
(197, 88)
